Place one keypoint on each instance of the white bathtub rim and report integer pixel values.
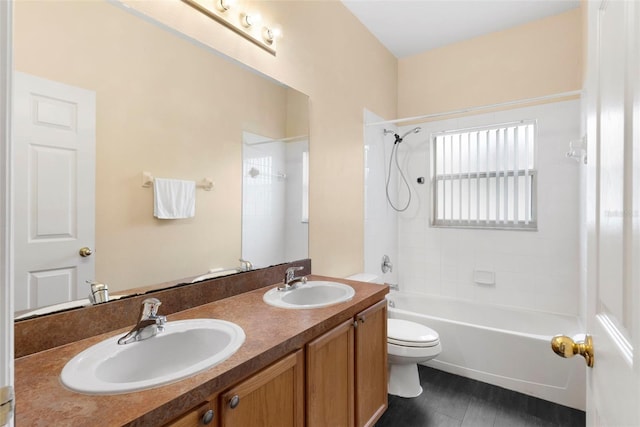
(579, 324)
(393, 292)
(473, 325)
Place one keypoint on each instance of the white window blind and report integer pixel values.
(485, 177)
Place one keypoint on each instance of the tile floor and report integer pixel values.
(451, 400)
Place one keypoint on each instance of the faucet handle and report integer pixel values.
(245, 265)
(99, 292)
(149, 308)
(290, 274)
(386, 266)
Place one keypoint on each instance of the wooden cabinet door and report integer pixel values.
(330, 396)
(199, 416)
(274, 397)
(371, 364)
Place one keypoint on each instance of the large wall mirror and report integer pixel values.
(162, 104)
(275, 198)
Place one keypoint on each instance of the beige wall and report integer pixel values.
(297, 113)
(165, 106)
(540, 58)
(327, 54)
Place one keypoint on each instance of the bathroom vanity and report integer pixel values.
(342, 372)
(315, 367)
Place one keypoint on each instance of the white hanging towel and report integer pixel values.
(174, 198)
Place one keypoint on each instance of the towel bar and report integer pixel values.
(206, 183)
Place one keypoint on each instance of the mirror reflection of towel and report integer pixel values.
(174, 198)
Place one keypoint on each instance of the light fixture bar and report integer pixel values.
(209, 9)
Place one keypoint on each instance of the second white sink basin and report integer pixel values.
(184, 348)
(313, 294)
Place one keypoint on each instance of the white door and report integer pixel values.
(6, 296)
(54, 190)
(613, 271)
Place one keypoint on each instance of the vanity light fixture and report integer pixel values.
(245, 23)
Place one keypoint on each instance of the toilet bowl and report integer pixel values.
(408, 343)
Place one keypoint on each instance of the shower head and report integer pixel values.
(414, 130)
(400, 138)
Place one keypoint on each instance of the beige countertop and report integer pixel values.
(271, 333)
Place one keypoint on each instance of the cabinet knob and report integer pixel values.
(207, 417)
(234, 402)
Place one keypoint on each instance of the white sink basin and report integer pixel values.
(313, 294)
(184, 348)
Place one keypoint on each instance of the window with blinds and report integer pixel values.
(485, 177)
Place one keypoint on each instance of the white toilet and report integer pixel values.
(408, 343)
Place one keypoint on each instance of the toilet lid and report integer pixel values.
(411, 334)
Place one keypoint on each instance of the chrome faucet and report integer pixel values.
(99, 292)
(149, 325)
(245, 265)
(290, 279)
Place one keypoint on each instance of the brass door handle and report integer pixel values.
(85, 252)
(564, 346)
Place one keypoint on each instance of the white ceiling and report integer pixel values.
(407, 27)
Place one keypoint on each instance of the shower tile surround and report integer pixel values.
(46, 332)
(380, 220)
(533, 270)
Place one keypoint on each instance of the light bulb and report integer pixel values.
(249, 20)
(270, 34)
(224, 5)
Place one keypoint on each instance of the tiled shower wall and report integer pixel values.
(273, 230)
(380, 222)
(533, 269)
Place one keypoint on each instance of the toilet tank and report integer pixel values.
(366, 277)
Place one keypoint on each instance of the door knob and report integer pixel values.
(85, 252)
(564, 346)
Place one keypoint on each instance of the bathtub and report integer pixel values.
(504, 346)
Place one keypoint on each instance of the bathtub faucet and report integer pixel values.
(386, 265)
(290, 279)
(149, 325)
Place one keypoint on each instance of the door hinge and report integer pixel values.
(6, 404)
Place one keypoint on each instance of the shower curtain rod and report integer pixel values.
(480, 108)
